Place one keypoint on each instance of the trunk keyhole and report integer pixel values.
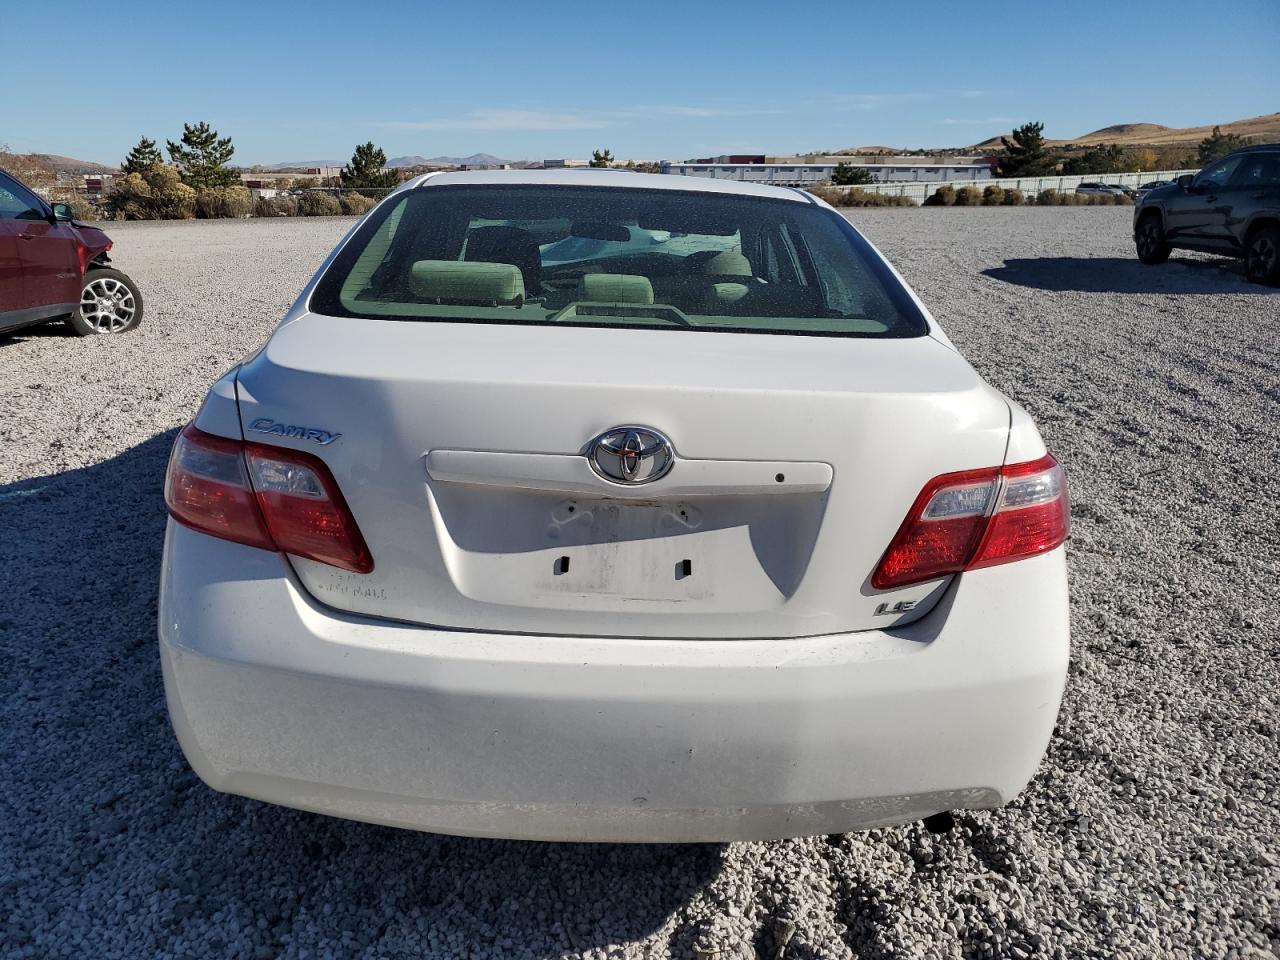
(562, 566)
(684, 569)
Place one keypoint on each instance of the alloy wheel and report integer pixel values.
(107, 305)
(1261, 260)
(1148, 237)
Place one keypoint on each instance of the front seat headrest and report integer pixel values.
(615, 288)
(728, 263)
(461, 281)
(503, 244)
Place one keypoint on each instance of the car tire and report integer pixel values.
(1149, 238)
(1262, 256)
(109, 303)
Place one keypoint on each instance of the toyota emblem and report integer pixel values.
(630, 455)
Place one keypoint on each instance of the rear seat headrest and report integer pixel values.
(467, 281)
(615, 288)
(728, 263)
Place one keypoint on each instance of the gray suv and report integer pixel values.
(1231, 207)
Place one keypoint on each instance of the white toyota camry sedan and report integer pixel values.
(606, 506)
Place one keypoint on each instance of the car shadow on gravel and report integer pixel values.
(1127, 275)
(97, 793)
(55, 330)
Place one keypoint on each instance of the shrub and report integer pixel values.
(968, 197)
(81, 209)
(356, 204)
(944, 196)
(317, 204)
(276, 207)
(854, 197)
(1012, 197)
(992, 196)
(1051, 198)
(233, 201)
(156, 193)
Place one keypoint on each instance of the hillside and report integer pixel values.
(62, 164)
(1125, 131)
(1263, 129)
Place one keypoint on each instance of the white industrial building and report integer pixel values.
(806, 174)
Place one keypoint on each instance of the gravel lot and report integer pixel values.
(1150, 831)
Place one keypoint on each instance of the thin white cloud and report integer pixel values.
(858, 101)
(510, 118)
(519, 119)
(696, 111)
(955, 122)
(502, 120)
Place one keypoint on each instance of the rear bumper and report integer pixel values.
(275, 697)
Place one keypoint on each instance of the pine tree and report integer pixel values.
(368, 168)
(1218, 144)
(1025, 155)
(202, 155)
(1106, 158)
(601, 158)
(848, 174)
(142, 157)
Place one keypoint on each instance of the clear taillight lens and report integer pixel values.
(268, 497)
(978, 518)
(1032, 515)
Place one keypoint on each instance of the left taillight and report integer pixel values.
(269, 497)
(978, 518)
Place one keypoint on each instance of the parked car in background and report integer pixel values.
(1231, 207)
(55, 267)
(697, 529)
(1103, 189)
(1146, 188)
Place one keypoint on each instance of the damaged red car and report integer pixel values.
(54, 267)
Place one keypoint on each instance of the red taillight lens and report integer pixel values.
(82, 254)
(305, 511)
(207, 488)
(267, 497)
(978, 518)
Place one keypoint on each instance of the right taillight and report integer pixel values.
(978, 518)
(263, 496)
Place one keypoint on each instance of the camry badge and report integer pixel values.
(630, 455)
(293, 431)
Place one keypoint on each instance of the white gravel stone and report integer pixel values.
(1149, 831)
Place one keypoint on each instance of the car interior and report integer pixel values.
(677, 264)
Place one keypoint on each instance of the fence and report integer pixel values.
(919, 190)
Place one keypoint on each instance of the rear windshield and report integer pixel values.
(616, 257)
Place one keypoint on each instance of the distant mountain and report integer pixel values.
(475, 160)
(303, 164)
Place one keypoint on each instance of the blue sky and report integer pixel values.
(661, 80)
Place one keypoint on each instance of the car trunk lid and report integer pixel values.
(462, 451)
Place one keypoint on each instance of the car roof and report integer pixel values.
(1255, 147)
(605, 178)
